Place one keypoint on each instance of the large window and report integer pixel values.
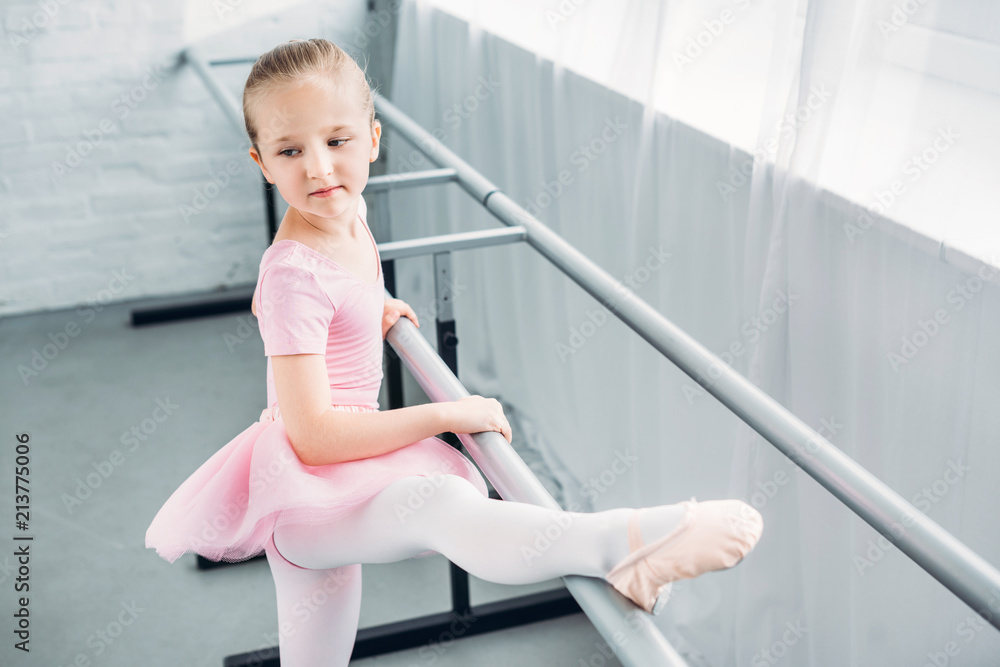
(913, 93)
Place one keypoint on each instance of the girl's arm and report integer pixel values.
(320, 434)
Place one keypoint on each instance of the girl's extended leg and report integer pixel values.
(500, 541)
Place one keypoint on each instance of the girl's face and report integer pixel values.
(316, 145)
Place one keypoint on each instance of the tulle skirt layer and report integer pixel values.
(229, 507)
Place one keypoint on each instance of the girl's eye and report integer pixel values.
(288, 152)
(338, 142)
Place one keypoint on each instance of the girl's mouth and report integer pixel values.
(326, 192)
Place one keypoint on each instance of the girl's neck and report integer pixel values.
(297, 225)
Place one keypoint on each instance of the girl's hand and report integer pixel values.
(394, 308)
(475, 414)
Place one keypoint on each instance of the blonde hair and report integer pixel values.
(295, 60)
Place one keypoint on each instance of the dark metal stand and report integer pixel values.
(441, 627)
(394, 365)
(272, 209)
(206, 564)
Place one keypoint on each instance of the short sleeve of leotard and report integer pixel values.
(294, 313)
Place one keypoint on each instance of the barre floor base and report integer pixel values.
(429, 629)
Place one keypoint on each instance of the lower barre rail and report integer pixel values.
(628, 630)
(964, 572)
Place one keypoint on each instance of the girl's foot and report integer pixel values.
(704, 537)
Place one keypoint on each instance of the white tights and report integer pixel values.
(317, 571)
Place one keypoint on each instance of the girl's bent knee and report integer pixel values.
(418, 496)
(444, 487)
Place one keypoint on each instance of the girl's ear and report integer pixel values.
(263, 169)
(376, 138)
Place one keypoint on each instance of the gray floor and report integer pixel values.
(89, 568)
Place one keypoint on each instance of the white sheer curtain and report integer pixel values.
(804, 187)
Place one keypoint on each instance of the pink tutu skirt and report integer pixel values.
(229, 507)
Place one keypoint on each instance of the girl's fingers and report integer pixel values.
(403, 308)
(504, 430)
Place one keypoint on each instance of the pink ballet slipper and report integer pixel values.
(712, 535)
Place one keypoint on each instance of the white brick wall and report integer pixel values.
(93, 85)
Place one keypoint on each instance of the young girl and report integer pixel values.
(324, 481)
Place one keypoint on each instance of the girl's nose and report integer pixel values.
(319, 164)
